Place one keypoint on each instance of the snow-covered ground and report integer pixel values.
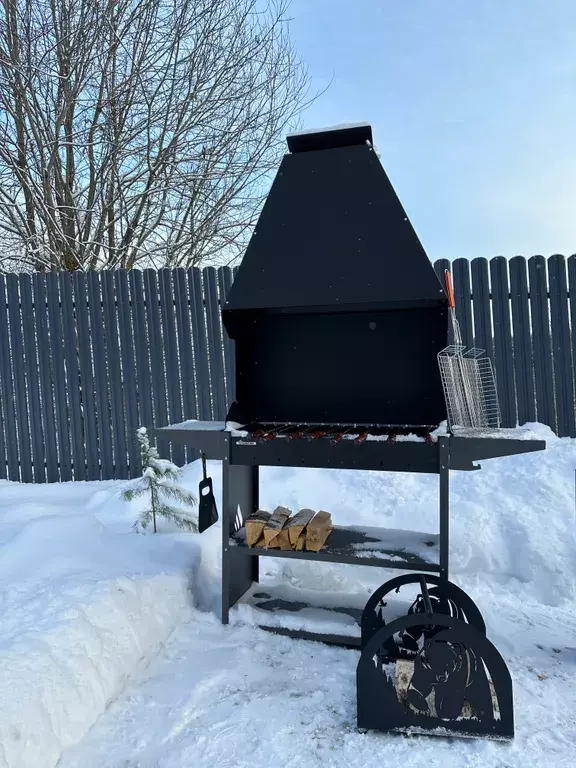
(84, 604)
(87, 605)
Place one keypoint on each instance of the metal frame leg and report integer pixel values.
(444, 473)
(239, 500)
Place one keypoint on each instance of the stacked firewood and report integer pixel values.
(282, 530)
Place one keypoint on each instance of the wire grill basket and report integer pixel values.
(469, 387)
(468, 380)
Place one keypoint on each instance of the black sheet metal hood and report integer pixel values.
(336, 311)
(333, 236)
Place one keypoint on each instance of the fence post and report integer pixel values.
(8, 406)
(563, 374)
(542, 347)
(522, 341)
(85, 343)
(215, 346)
(171, 357)
(481, 302)
(34, 403)
(504, 359)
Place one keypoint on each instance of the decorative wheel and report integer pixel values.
(453, 682)
(433, 595)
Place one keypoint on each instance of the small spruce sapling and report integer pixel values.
(159, 484)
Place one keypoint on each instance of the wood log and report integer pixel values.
(275, 524)
(318, 530)
(260, 544)
(283, 539)
(296, 524)
(255, 525)
(300, 543)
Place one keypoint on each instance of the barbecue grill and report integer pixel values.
(338, 319)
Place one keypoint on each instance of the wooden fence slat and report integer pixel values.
(46, 377)
(462, 293)
(3, 452)
(72, 376)
(59, 374)
(129, 386)
(503, 357)
(19, 378)
(224, 285)
(141, 347)
(215, 348)
(522, 341)
(156, 348)
(167, 318)
(186, 353)
(481, 307)
(114, 375)
(572, 290)
(561, 343)
(8, 404)
(542, 346)
(200, 344)
(101, 399)
(35, 412)
(86, 377)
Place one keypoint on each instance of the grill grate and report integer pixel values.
(336, 433)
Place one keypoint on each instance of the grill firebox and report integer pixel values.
(338, 318)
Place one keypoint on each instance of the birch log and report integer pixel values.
(255, 525)
(318, 530)
(275, 524)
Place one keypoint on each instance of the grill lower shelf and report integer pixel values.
(380, 547)
(307, 614)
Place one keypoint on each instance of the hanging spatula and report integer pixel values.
(207, 510)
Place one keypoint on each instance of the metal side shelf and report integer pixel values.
(380, 547)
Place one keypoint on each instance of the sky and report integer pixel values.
(473, 108)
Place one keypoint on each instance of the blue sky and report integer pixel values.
(473, 106)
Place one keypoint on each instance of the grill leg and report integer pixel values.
(239, 500)
(444, 473)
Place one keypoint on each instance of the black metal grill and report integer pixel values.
(338, 318)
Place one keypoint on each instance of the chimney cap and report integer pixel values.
(342, 135)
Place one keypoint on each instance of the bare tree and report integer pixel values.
(140, 131)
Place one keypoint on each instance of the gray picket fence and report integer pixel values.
(85, 359)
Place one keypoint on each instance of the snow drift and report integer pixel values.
(84, 608)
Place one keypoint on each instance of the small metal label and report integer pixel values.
(244, 442)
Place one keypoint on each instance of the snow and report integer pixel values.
(415, 543)
(162, 466)
(210, 426)
(87, 605)
(527, 432)
(336, 127)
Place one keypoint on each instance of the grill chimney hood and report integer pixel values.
(333, 235)
(336, 311)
